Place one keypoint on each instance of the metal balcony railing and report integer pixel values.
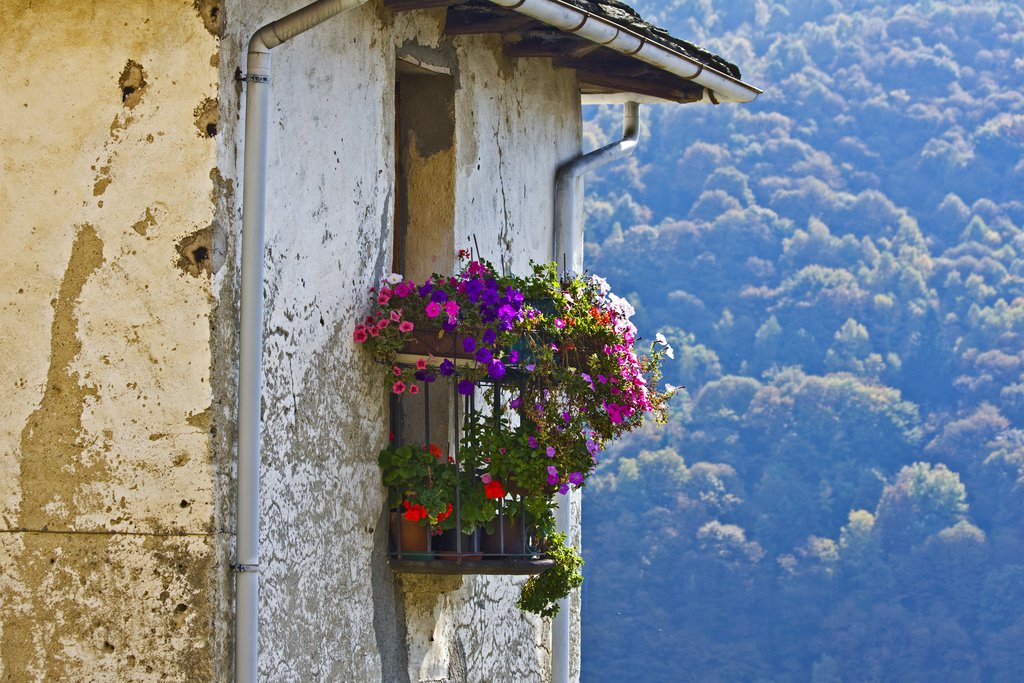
(437, 414)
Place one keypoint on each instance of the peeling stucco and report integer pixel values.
(52, 463)
(111, 547)
(120, 337)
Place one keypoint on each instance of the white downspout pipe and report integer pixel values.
(568, 249)
(250, 380)
(568, 237)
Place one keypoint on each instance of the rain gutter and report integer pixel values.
(718, 87)
(568, 250)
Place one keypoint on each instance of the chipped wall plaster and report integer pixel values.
(324, 577)
(108, 543)
(122, 338)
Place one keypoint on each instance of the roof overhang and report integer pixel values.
(616, 55)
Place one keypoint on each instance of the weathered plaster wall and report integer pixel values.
(110, 562)
(331, 609)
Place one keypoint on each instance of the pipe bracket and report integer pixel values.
(246, 568)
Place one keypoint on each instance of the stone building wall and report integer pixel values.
(123, 146)
(111, 547)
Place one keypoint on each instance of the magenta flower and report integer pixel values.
(485, 478)
(451, 308)
(433, 309)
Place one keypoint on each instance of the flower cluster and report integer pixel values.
(579, 382)
(471, 316)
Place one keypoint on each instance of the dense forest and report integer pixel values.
(839, 494)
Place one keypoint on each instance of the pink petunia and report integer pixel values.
(396, 316)
(413, 389)
(398, 387)
(360, 334)
(421, 364)
(397, 370)
(405, 326)
(382, 323)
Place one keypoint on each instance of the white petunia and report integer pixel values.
(393, 279)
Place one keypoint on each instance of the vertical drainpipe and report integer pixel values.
(250, 380)
(568, 250)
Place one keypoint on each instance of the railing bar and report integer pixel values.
(426, 413)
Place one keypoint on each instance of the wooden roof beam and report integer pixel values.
(406, 5)
(462, 21)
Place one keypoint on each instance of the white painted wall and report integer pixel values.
(331, 609)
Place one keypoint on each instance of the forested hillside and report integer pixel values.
(840, 267)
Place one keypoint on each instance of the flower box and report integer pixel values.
(543, 372)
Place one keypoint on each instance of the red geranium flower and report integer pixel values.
(494, 489)
(441, 516)
(415, 512)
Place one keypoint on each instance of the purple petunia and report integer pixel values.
(533, 441)
(473, 290)
(466, 387)
(551, 452)
(447, 367)
(496, 370)
(575, 478)
(489, 336)
(469, 344)
(484, 356)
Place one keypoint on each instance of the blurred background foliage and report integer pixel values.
(840, 266)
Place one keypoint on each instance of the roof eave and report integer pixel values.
(719, 87)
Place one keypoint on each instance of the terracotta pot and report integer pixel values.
(425, 343)
(415, 538)
(507, 538)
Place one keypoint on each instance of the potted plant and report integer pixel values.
(421, 484)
